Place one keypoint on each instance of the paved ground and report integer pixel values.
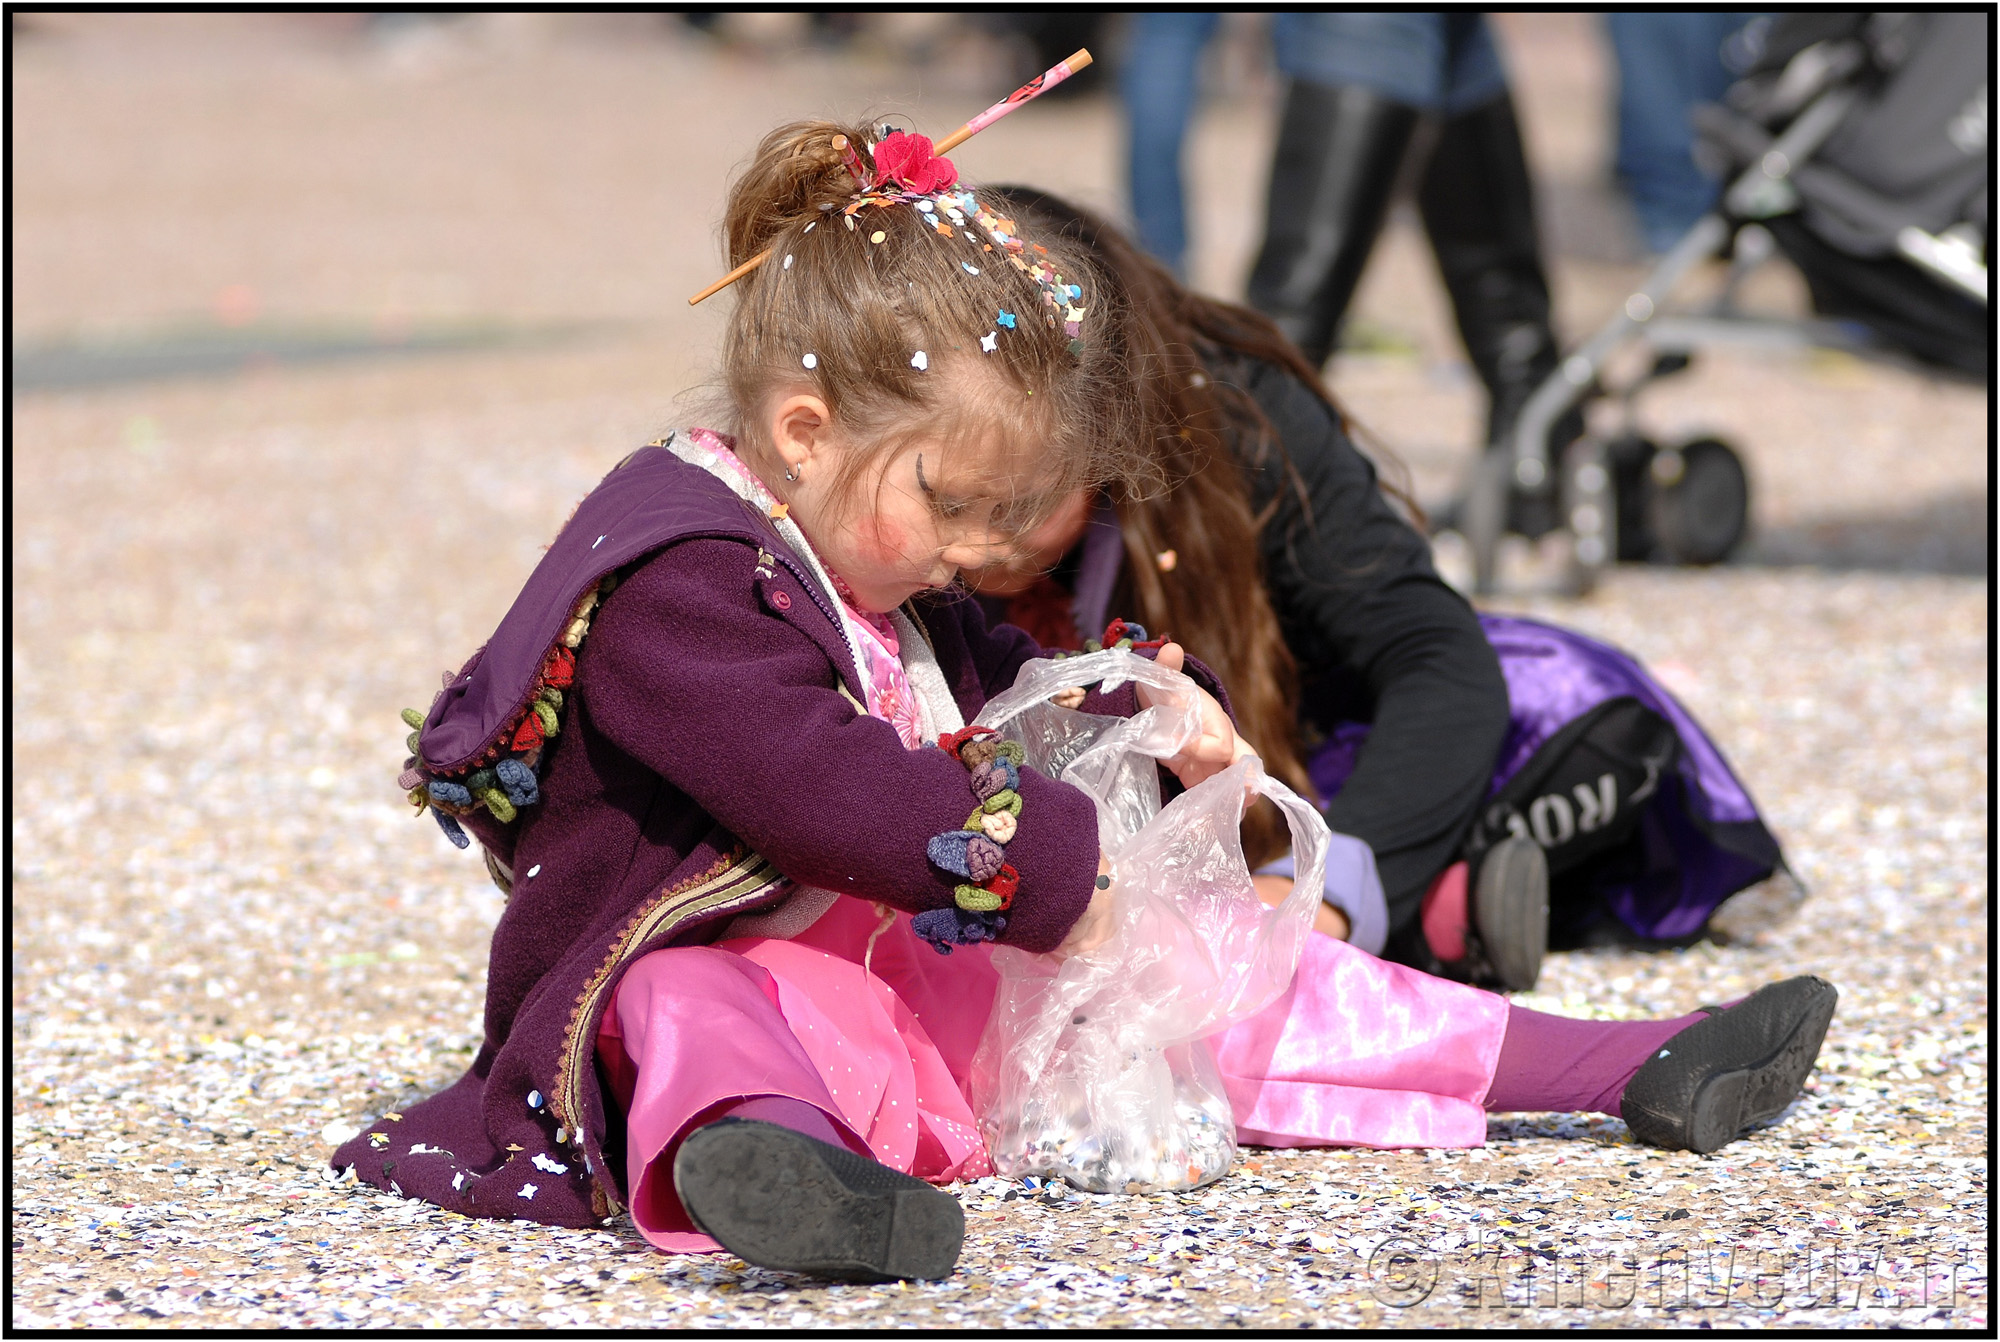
(228, 940)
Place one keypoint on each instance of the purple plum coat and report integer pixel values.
(710, 756)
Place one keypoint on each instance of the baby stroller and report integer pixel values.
(1856, 146)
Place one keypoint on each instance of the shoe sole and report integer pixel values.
(1510, 911)
(783, 1200)
(1724, 1101)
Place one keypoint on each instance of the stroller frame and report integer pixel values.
(1762, 191)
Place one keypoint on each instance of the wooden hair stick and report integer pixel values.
(1040, 84)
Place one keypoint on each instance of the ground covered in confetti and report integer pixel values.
(230, 942)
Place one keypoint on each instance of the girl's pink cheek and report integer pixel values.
(882, 541)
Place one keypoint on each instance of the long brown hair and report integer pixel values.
(1193, 560)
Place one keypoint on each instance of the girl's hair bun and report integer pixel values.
(797, 169)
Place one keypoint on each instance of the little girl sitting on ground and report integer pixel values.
(716, 753)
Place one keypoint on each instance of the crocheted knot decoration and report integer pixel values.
(993, 776)
(972, 856)
(975, 852)
(1120, 634)
(502, 778)
(945, 928)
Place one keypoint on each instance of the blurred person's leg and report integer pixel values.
(1338, 150)
(1477, 202)
(1667, 63)
(1478, 207)
(1158, 84)
(1357, 84)
(1406, 56)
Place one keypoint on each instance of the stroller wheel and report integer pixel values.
(1631, 456)
(1700, 504)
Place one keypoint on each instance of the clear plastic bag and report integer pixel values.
(1093, 1068)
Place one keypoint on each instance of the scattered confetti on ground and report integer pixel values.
(230, 946)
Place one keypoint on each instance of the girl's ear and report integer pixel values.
(801, 427)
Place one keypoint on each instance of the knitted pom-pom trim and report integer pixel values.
(502, 777)
(945, 928)
(448, 793)
(1118, 634)
(954, 742)
(995, 894)
(972, 856)
(518, 780)
(452, 829)
(974, 852)
(996, 775)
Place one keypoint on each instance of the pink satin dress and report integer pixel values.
(1359, 1052)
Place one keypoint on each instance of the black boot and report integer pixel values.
(1336, 160)
(781, 1199)
(1478, 206)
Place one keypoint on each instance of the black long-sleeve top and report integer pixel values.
(1378, 637)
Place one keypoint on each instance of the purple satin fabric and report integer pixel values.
(1556, 675)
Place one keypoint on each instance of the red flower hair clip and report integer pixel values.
(910, 161)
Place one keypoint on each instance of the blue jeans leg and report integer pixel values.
(1158, 85)
(1667, 63)
(1439, 62)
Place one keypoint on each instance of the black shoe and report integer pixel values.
(783, 1200)
(1510, 913)
(1331, 178)
(1741, 1066)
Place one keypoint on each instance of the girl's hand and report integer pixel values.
(1218, 746)
(1095, 926)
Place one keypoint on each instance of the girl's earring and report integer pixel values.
(791, 474)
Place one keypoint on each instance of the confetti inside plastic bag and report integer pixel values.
(1094, 1068)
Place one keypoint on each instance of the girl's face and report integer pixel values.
(912, 527)
(1038, 551)
(908, 522)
